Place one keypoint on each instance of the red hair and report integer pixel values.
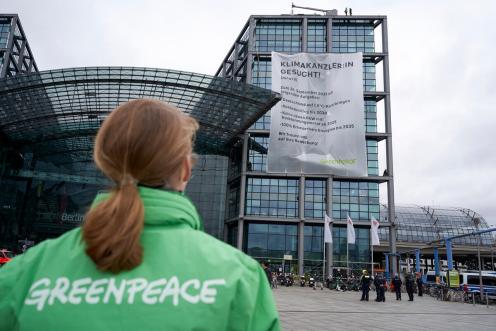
(141, 141)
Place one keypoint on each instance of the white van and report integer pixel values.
(430, 278)
(471, 279)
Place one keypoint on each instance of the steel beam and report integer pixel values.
(242, 193)
(337, 17)
(304, 36)
(251, 42)
(329, 35)
(389, 144)
(10, 43)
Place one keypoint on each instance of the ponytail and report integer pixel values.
(112, 230)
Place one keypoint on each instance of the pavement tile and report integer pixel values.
(302, 308)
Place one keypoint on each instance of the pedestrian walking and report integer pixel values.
(274, 280)
(420, 284)
(365, 285)
(397, 286)
(380, 287)
(409, 283)
(266, 269)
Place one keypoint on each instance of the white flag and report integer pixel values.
(327, 229)
(374, 235)
(351, 231)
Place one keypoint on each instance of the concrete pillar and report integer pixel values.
(392, 247)
(330, 248)
(241, 226)
(436, 261)
(301, 225)
(242, 193)
(386, 269)
(449, 254)
(301, 247)
(389, 147)
(417, 260)
(304, 36)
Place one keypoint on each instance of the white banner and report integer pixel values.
(318, 126)
(374, 234)
(350, 231)
(327, 229)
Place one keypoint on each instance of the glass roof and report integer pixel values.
(422, 224)
(57, 113)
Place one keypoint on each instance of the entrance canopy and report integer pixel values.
(55, 114)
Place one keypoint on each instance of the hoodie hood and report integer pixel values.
(163, 207)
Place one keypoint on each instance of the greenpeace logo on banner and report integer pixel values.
(318, 126)
(109, 291)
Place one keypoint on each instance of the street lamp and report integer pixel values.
(479, 243)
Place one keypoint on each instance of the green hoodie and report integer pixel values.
(188, 281)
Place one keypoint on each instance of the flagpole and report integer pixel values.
(323, 261)
(372, 250)
(374, 238)
(327, 240)
(348, 220)
(347, 260)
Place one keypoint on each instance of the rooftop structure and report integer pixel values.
(48, 121)
(15, 53)
(272, 215)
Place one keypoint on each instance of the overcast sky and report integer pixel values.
(442, 67)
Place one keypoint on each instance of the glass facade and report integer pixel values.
(317, 36)
(278, 197)
(261, 77)
(271, 240)
(370, 116)
(358, 253)
(421, 224)
(50, 118)
(278, 35)
(40, 208)
(262, 73)
(355, 197)
(5, 26)
(315, 192)
(272, 197)
(207, 190)
(372, 157)
(369, 76)
(313, 239)
(353, 37)
(359, 200)
(47, 203)
(233, 200)
(232, 234)
(257, 158)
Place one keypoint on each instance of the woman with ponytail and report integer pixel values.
(140, 261)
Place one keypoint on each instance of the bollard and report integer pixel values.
(473, 298)
(487, 301)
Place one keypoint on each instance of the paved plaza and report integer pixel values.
(305, 309)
